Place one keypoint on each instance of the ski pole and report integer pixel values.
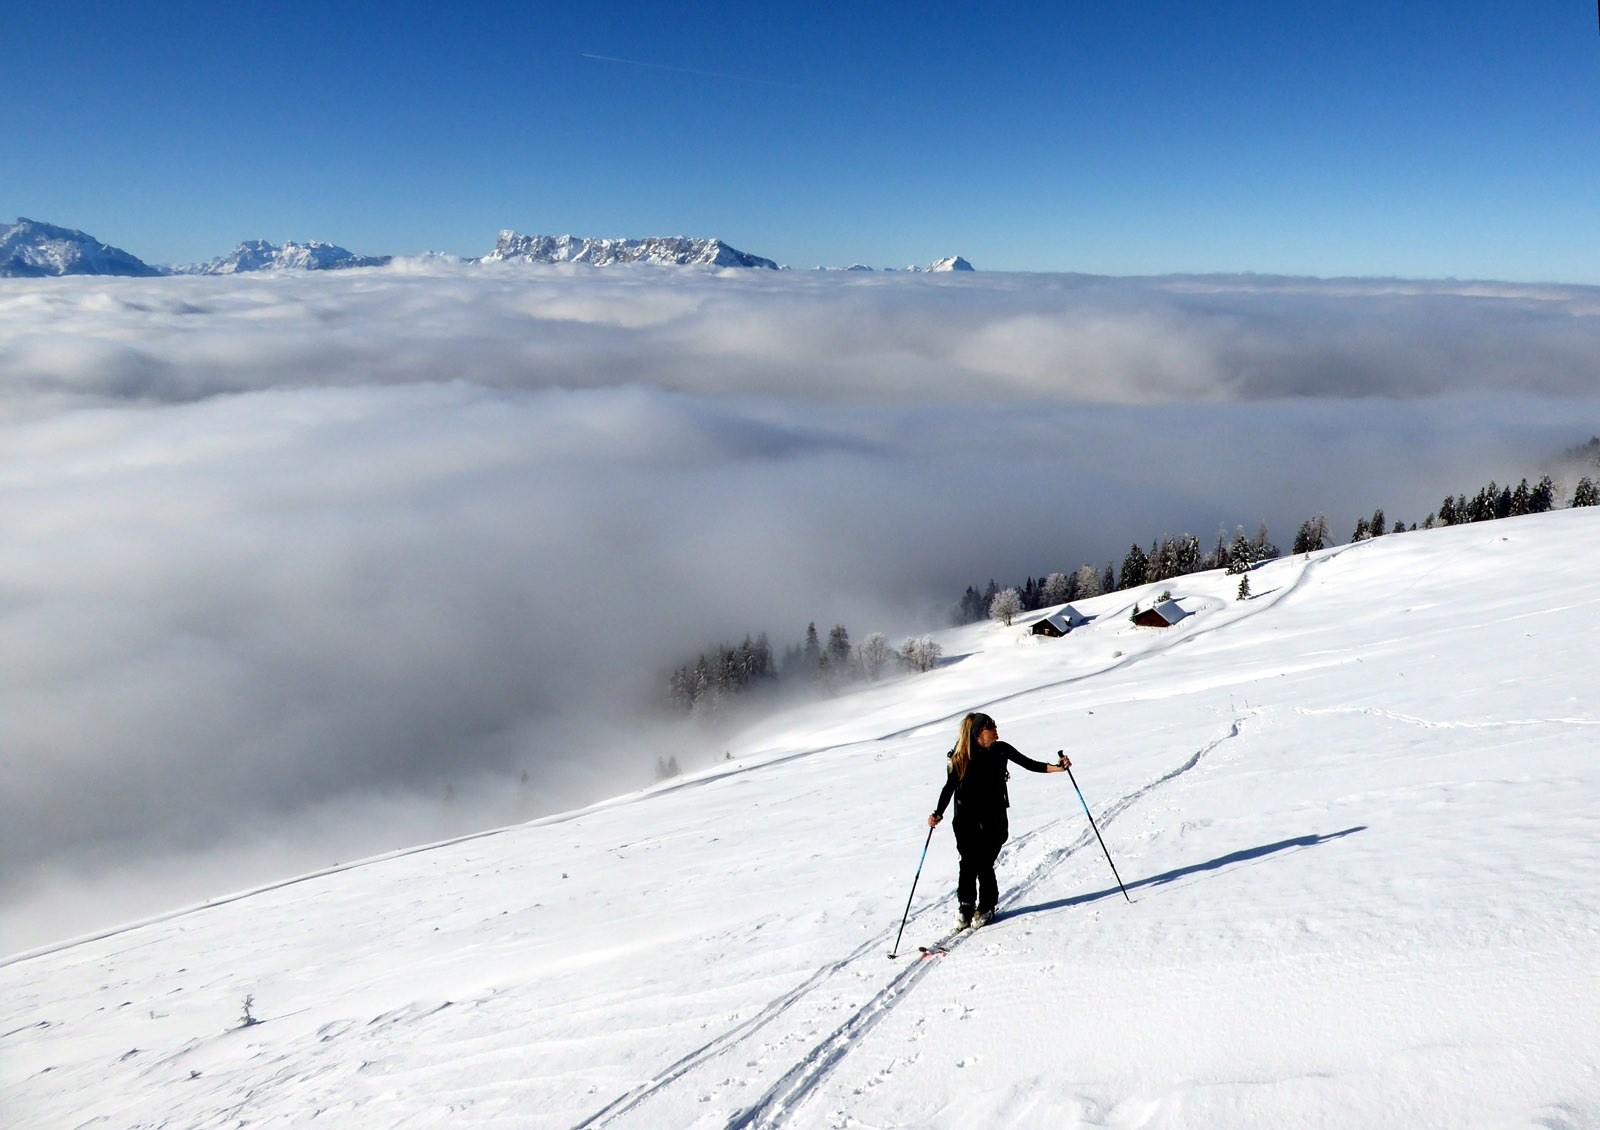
(1062, 753)
(895, 951)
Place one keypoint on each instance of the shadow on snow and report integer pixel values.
(1192, 869)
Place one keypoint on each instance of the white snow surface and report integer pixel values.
(1357, 815)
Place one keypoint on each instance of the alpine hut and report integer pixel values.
(1161, 614)
(1059, 623)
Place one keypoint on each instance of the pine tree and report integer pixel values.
(1055, 590)
(1240, 554)
(1543, 498)
(811, 654)
(1363, 530)
(839, 647)
(1108, 579)
(1244, 587)
(1481, 508)
(1379, 525)
(1521, 498)
(1187, 558)
(1585, 493)
(1134, 567)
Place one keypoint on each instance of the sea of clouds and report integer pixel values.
(303, 567)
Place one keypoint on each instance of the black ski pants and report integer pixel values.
(979, 838)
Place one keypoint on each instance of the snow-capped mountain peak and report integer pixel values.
(514, 247)
(260, 255)
(30, 249)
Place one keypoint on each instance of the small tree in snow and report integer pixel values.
(1006, 606)
(874, 653)
(1244, 587)
(921, 653)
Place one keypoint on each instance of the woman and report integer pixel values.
(977, 781)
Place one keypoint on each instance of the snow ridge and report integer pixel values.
(514, 247)
(259, 255)
(33, 250)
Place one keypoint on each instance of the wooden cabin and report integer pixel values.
(1161, 614)
(1058, 624)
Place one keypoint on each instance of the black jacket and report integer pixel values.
(982, 792)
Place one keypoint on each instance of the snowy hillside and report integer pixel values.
(259, 255)
(30, 249)
(513, 247)
(1358, 815)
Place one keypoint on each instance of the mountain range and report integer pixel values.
(30, 249)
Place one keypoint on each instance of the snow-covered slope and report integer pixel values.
(513, 247)
(259, 255)
(1358, 815)
(30, 249)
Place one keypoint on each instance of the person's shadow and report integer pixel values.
(1192, 869)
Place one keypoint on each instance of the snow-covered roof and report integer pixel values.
(1065, 619)
(1168, 610)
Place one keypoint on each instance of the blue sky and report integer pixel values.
(1418, 139)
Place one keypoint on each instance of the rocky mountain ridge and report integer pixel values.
(30, 249)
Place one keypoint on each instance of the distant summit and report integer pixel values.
(952, 263)
(513, 247)
(31, 250)
(259, 255)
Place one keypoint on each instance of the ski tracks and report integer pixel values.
(808, 1072)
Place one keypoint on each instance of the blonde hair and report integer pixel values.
(971, 726)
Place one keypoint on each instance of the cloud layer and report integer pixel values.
(415, 547)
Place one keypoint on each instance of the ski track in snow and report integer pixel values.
(1435, 724)
(808, 1072)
